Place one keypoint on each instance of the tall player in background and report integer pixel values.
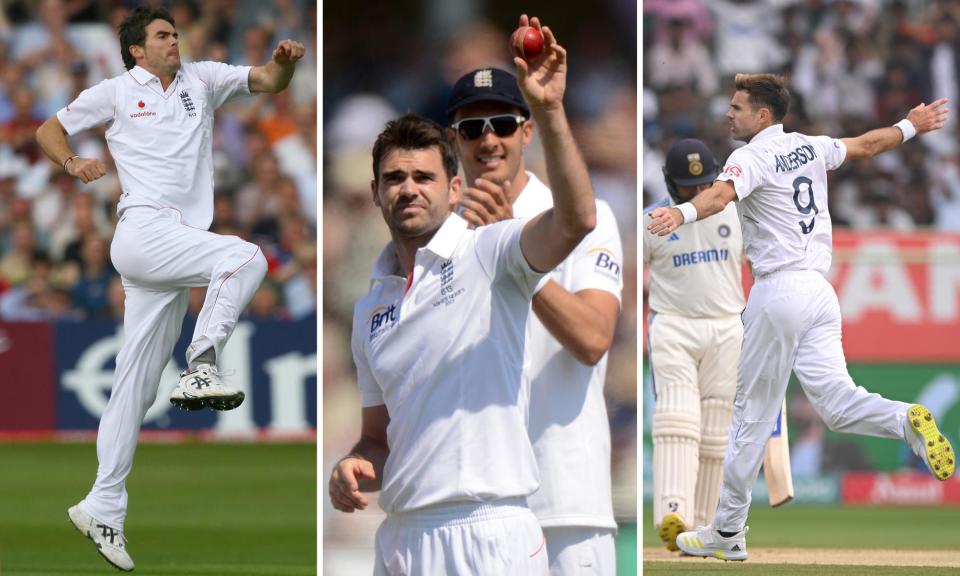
(569, 333)
(159, 118)
(694, 334)
(792, 319)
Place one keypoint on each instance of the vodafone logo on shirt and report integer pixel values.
(143, 113)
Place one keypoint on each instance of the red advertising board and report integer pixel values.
(899, 295)
(26, 377)
(907, 489)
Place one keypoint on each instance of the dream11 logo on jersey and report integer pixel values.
(605, 263)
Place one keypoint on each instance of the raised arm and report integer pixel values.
(920, 120)
(362, 469)
(53, 140)
(707, 203)
(549, 237)
(275, 75)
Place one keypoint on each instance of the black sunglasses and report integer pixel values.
(502, 125)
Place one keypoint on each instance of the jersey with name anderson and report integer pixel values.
(446, 358)
(161, 140)
(781, 181)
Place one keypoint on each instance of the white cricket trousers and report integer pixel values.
(159, 259)
(497, 538)
(792, 322)
(581, 551)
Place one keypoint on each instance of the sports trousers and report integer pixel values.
(581, 551)
(694, 367)
(470, 538)
(159, 259)
(792, 322)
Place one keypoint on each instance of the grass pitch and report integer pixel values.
(195, 509)
(874, 530)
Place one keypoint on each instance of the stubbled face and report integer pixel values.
(492, 157)
(745, 121)
(161, 50)
(413, 191)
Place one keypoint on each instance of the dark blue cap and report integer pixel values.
(486, 85)
(690, 163)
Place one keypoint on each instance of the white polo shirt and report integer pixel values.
(161, 141)
(446, 359)
(781, 181)
(568, 423)
(696, 271)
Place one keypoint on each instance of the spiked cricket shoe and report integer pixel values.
(670, 527)
(110, 542)
(929, 443)
(202, 387)
(707, 542)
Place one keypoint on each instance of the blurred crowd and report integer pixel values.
(363, 89)
(852, 65)
(55, 231)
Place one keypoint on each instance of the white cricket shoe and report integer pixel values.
(204, 387)
(671, 526)
(706, 542)
(929, 443)
(110, 542)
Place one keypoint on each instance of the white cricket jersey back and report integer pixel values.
(696, 271)
(781, 181)
(446, 359)
(161, 140)
(568, 422)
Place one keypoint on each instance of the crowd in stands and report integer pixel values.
(852, 65)
(55, 231)
(364, 88)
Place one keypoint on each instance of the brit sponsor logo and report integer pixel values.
(734, 170)
(382, 319)
(605, 262)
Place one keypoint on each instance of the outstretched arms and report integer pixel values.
(549, 237)
(275, 75)
(924, 118)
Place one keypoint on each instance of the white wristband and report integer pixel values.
(688, 211)
(908, 129)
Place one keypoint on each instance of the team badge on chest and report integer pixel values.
(187, 103)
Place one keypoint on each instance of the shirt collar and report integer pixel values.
(768, 132)
(443, 243)
(143, 76)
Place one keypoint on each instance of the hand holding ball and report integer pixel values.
(527, 42)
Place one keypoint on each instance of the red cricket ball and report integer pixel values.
(527, 42)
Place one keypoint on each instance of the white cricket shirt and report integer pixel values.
(695, 272)
(568, 422)
(161, 141)
(446, 359)
(781, 181)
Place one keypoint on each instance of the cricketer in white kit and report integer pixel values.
(439, 348)
(694, 334)
(572, 326)
(792, 318)
(159, 118)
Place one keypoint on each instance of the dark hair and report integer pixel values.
(413, 132)
(766, 91)
(133, 30)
